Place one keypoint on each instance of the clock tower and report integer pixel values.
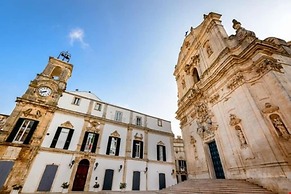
(26, 127)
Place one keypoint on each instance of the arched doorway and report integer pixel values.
(81, 175)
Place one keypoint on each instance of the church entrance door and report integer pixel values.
(216, 160)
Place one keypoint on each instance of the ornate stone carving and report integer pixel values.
(241, 33)
(235, 82)
(183, 121)
(193, 142)
(269, 108)
(214, 98)
(194, 94)
(115, 134)
(94, 126)
(183, 83)
(67, 124)
(234, 120)
(280, 127)
(32, 113)
(205, 127)
(195, 60)
(269, 65)
(209, 50)
(138, 137)
(187, 69)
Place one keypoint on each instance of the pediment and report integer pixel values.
(67, 124)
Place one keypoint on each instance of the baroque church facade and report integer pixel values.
(57, 140)
(234, 105)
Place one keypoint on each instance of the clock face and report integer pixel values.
(44, 91)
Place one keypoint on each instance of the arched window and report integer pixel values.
(56, 74)
(196, 77)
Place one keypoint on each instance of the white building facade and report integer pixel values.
(80, 141)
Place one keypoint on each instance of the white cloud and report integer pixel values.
(77, 35)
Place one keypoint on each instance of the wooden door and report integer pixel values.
(81, 175)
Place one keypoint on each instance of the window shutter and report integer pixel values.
(158, 153)
(33, 127)
(15, 130)
(108, 145)
(84, 141)
(95, 142)
(117, 147)
(164, 153)
(133, 148)
(56, 137)
(141, 150)
(68, 141)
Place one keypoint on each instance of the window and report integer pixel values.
(160, 122)
(76, 101)
(138, 121)
(182, 165)
(161, 153)
(196, 77)
(113, 146)
(137, 149)
(90, 142)
(62, 138)
(98, 106)
(23, 131)
(118, 116)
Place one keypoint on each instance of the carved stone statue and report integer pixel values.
(241, 136)
(2, 122)
(241, 32)
(209, 50)
(280, 127)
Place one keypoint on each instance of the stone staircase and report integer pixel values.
(214, 186)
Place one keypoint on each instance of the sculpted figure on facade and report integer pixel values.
(183, 83)
(241, 33)
(205, 127)
(187, 69)
(241, 136)
(280, 126)
(2, 121)
(236, 81)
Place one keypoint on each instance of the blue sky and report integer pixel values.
(124, 51)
